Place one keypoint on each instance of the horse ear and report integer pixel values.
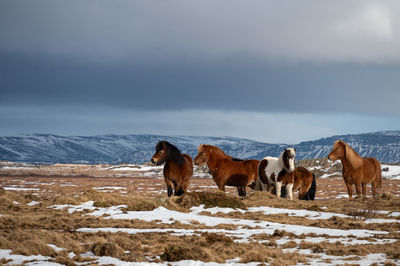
(354, 159)
(201, 147)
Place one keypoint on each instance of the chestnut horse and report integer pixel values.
(275, 172)
(178, 167)
(226, 170)
(304, 181)
(357, 171)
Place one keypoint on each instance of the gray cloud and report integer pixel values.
(235, 84)
(225, 56)
(154, 31)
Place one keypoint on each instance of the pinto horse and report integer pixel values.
(274, 172)
(357, 171)
(226, 170)
(304, 181)
(178, 167)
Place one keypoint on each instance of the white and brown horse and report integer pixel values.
(178, 168)
(357, 171)
(273, 173)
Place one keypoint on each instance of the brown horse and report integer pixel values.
(357, 171)
(226, 170)
(178, 167)
(304, 181)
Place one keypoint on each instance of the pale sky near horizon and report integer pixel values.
(273, 71)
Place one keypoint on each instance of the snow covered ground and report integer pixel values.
(242, 230)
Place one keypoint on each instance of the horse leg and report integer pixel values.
(289, 190)
(374, 184)
(169, 187)
(241, 191)
(278, 189)
(358, 189)
(349, 190)
(303, 193)
(258, 185)
(364, 189)
(221, 187)
(178, 189)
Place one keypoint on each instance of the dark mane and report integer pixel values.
(285, 159)
(173, 153)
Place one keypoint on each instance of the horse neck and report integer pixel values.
(213, 161)
(346, 163)
(281, 164)
(177, 158)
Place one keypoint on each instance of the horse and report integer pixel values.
(304, 181)
(357, 170)
(178, 168)
(226, 170)
(275, 172)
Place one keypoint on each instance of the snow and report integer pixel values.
(20, 188)
(393, 173)
(21, 259)
(166, 216)
(17, 168)
(33, 203)
(108, 188)
(57, 249)
(135, 168)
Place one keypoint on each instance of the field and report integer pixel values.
(84, 215)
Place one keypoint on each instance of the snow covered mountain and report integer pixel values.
(114, 149)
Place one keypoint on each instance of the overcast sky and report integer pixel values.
(274, 71)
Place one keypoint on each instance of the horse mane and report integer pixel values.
(173, 153)
(352, 156)
(215, 150)
(283, 158)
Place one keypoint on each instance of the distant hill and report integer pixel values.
(114, 149)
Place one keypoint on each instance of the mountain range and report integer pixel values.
(116, 149)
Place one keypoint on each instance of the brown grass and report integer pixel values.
(28, 230)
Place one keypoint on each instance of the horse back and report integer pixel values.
(302, 177)
(237, 173)
(371, 169)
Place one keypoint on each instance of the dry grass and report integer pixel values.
(28, 230)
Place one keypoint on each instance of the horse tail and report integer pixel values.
(379, 174)
(312, 190)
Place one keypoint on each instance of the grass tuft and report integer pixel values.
(180, 252)
(210, 199)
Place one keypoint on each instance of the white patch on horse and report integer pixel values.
(274, 167)
(292, 154)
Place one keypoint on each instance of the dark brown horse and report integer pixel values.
(226, 170)
(357, 171)
(304, 181)
(178, 167)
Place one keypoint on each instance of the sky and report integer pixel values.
(273, 71)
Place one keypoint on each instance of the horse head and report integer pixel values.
(341, 151)
(160, 156)
(288, 156)
(338, 151)
(204, 154)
